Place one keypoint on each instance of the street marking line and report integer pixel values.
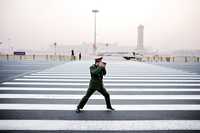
(121, 75)
(127, 107)
(85, 89)
(107, 84)
(100, 125)
(107, 80)
(121, 97)
(106, 77)
(16, 70)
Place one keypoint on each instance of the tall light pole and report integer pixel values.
(55, 44)
(94, 45)
(0, 47)
(10, 45)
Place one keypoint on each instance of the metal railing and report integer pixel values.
(182, 59)
(35, 57)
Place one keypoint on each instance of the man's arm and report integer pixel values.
(104, 71)
(95, 70)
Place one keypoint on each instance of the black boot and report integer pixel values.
(78, 110)
(110, 108)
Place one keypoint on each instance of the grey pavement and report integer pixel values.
(189, 67)
(11, 69)
(148, 98)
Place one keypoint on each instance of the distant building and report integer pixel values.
(140, 39)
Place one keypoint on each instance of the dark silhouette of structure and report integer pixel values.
(140, 39)
(79, 56)
(72, 55)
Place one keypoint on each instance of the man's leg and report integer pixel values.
(84, 100)
(106, 96)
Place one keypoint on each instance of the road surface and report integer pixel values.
(147, 98)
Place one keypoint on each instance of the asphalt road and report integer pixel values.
(148, 98)
(189, 67)
(11, 69)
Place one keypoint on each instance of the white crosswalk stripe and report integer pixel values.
(109, 89)
(121, 78)
(121, 97)
(136, 75)
(86, 125)
(107, 80)
(98, 107)
(108, 84)
(53, 85)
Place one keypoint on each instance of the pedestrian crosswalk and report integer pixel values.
(107, 85)
(146, 98)
(99, 107)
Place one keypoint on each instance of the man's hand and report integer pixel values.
(102, 64)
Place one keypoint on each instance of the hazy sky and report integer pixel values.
(37, 24)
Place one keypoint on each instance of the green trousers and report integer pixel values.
(95, 86)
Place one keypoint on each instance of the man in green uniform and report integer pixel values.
(97, 72)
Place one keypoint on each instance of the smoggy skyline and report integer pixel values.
(37, 24)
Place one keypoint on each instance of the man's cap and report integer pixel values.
(104, 63)
(98, 58)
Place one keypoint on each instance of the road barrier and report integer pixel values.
(186, 59)
(35, 57)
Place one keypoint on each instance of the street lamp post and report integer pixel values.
(94, 45)
(10, 45)
(55, 44)
(0, 45)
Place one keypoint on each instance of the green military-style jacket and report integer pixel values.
(97, 74)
